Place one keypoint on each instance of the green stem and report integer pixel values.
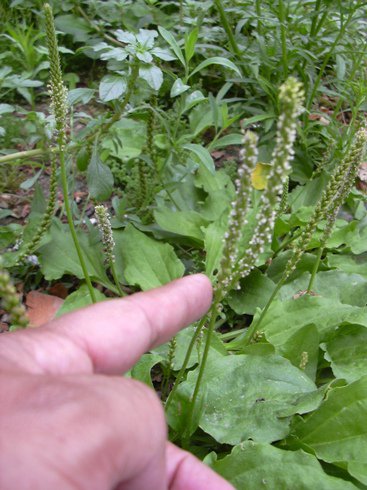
(326, 60)
(186, 362)
(64, 183)
(283, 37)
(258, 13)
(226, 26)
(256, 325)
(115, 278)
(22, 154)
(213, 317)
(315, 269)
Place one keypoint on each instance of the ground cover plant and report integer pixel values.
(145, 140)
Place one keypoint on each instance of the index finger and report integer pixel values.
(109, 337)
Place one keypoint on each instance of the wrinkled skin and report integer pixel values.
(69, 420)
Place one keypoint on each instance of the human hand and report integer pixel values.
(68, 420)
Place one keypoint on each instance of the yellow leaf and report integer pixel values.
(259, 176)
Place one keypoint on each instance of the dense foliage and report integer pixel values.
(216, 136)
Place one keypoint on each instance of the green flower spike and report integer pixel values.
(332, 198)
(104, 226)
(57, 90)
(10, 301)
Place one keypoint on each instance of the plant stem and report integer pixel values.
(22, 154)
(256, 325)
(315, 269)
(69, 215)
(326, 60)
(283, 36)
(186, 362)
(226, 26)
(115, 278)
(258, 13)
(213, 318)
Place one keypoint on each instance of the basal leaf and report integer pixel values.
(252, 466)
(337, 430)
(285, 318)
(244, 395)
(79, 299)
(347, 353)
(188, 224)
(59, 257)
(145, 262)
(99, 178)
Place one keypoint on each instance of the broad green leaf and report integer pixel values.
(125, 36)
(76, 26)
(302, 348)
(141, 370)
(6, 108)
(80, 95)
(112, 87)
(213, 244)
(146, 37)
(244, 395)
(152, 75)
(255, 291)
(188, 224)
(192, 99)
(347, 353)
(167, 36)
(252, 466)
(144, 261)
(227, 140)
(126, 139)
(99, 178)
(59, 257)
(163, 54)
(344, 287)
(337, 430)
(79, 299)
(285, 318)
(348, 263)
(216, 60)
(178, 88)
(117, 54)
(203, 155)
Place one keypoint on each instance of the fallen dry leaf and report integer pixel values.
(41, 308)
